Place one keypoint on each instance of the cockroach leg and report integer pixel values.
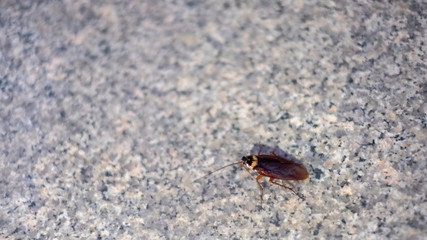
(260, 187)
(273, 154)
(283, 186)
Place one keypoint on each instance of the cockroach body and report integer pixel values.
(274, 167)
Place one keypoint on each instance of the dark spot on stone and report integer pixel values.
(15, 231)
(104, 189)
(313, 150)
(106, 50)
(318, 226)
(345, 183)
(317, 173)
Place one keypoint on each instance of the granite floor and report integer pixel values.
(109, 110)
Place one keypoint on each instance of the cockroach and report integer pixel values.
(272, 166)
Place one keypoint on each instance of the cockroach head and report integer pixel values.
(250, 161)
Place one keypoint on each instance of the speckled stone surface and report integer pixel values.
(110, 109)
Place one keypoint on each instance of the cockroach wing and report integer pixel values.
(280, 168)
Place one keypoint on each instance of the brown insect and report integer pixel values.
(272, 166)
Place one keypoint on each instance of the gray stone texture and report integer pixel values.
(110, 109)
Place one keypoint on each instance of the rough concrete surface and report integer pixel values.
(110, 109)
